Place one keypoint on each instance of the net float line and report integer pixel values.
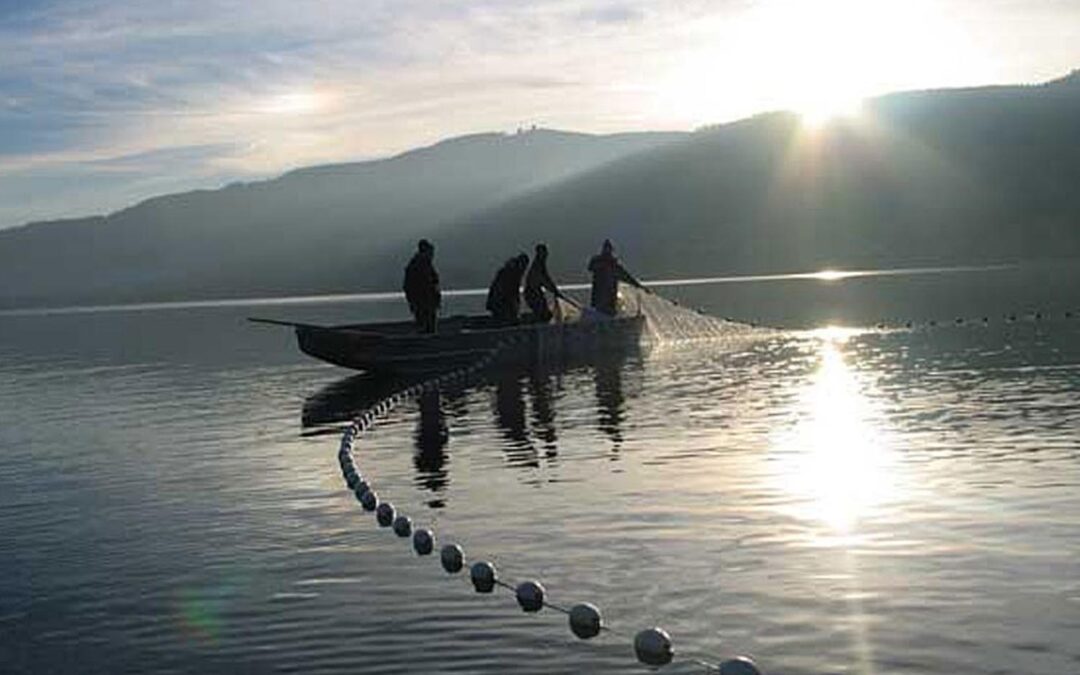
(975, 321)
(652, 646)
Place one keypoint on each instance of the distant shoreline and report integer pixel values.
(825, 276)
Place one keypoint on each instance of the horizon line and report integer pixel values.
(825, 276)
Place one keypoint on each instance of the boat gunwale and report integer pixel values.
(364, 330)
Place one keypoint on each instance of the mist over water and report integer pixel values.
(847, 500)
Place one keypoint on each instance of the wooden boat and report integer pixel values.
(397, 348)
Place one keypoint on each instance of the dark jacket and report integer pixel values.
(504, 294)
(538, 278)
(421, 284)
(606, 275)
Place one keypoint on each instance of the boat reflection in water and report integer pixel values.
(523, 404)
(543, 387)
(610, 404)
(510, 417)
(431, 438)
(342, 401)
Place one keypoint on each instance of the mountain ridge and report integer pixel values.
(978, 174)
(937, 177)
(289, 234)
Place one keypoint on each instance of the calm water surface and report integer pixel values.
(831, 501)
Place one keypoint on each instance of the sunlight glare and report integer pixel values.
(820, 59)
(826, 106)
(834, 463)
(832, 275)
(294, 103)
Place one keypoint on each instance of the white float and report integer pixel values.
(452, 558)
(402, 526)
(530, 595)
(653, 647)
(423, 541)
(369, 500)
(740, 665)
(585, 620)
(483, 576)
(384, 514)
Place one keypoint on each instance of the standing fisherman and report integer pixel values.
(606, 275)
(504, 294)
(421, 287)
(536, 281)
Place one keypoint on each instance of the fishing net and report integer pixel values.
(666, 322)
(669, 322)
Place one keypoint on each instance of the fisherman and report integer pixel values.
(536, 281)
(606, 275)
(421, 287)
(504, 294)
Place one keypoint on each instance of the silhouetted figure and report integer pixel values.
(421, 287)
(606, 275)
(504, 294)
(536, 280)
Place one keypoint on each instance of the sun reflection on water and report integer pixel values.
(834, 461)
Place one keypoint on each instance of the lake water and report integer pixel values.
(867, 500)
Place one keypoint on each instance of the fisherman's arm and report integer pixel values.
(549, 283)
(628, 278)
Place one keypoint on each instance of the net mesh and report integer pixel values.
(669, 322)
(666, 322)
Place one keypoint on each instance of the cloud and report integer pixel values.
(150, 161)
(92, 184)
(103, 77)
(615, 13)
(190, 89)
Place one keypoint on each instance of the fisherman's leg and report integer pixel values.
(538, 307)
(427, 320)
(506, 316)
(542, 312)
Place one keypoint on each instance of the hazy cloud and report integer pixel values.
(614, 13)
(200, 89)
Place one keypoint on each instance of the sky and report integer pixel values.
(106, 102)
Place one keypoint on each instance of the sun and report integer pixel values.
(820, 59)
(827, 106)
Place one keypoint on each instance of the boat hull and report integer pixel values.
(397, 349)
